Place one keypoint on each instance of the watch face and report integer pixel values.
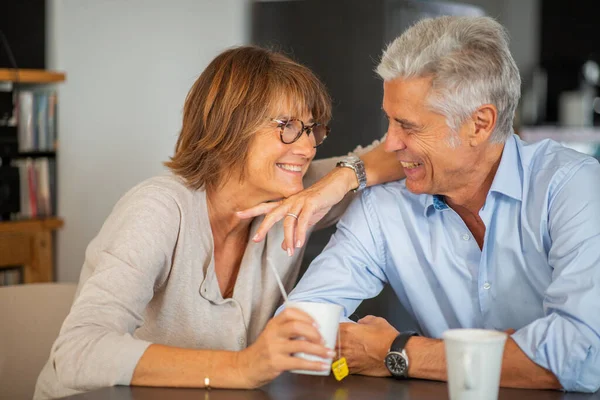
(396, 364)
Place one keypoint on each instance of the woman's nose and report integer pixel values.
(305, 145)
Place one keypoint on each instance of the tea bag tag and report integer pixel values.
(340, 367)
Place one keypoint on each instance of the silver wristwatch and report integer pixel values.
(358, 166)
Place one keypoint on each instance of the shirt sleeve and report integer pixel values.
(318, 169)
(130, 258)
(567, 340)
(350, 268)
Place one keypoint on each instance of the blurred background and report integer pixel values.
(130, 63)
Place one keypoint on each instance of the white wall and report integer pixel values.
(129, 65)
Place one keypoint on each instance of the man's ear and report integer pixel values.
(484, 122)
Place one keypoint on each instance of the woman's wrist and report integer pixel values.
(348, 177)
(243, 371)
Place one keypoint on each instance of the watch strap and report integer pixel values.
(400, 342)
(358, 166)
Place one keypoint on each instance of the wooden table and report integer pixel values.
(29, 243)
(296, 387)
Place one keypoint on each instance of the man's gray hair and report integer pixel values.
(470, 64)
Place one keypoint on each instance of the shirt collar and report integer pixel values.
(507, 181)
(435, 201)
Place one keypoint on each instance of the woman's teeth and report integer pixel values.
(289, 167)
(410, 164)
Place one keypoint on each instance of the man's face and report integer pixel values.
(421, 139)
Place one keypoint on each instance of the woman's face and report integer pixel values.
(274, 169)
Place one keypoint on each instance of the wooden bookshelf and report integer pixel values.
(29, 243)
(31, 76)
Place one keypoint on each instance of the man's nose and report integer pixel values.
(393, 142)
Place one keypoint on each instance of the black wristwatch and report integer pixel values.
(396, 360)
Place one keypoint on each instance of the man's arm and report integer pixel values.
(428, 361)
(366, 344)
(349, 269)
(566, 340)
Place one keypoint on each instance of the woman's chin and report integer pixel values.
(291, 190)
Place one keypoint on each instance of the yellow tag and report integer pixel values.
(340, 369)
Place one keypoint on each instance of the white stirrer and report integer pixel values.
(279, 283)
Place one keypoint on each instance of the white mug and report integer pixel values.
(474, 363)
(327, 316)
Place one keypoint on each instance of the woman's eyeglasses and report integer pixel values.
(292, 129)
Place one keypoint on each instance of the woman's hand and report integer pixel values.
(309, 205)
(271, 354)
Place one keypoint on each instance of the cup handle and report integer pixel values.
(467, 364)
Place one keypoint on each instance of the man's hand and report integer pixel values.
(365, 345)
(309, 205)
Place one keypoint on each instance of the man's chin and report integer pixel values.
(415, 188)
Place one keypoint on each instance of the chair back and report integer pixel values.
(30, 318)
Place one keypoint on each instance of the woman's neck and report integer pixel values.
(223, 203)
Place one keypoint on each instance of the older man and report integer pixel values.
(486, 231)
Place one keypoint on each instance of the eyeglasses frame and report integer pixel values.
(308, 129)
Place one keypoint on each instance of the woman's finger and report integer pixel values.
(290, 228)
(302, 346)
(300, 329)
(297, 363)
(260, 209)
(272, 217)
(302, 226)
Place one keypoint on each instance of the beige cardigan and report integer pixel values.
(149, 277)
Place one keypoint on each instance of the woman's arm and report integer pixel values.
(252, 367)
(125, 263)
(313, 203)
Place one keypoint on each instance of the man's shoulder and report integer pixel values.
(548, 156)
(548, 165)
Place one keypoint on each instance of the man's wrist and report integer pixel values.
(385, 349)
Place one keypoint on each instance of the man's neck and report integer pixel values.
(471, 196)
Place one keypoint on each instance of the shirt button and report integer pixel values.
(466, 237)
(242, 341)
(487, 285)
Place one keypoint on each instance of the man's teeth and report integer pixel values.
(410, 164)
(293, 168)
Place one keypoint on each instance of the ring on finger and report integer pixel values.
(291, 215)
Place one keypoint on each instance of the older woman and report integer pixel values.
(173, 290)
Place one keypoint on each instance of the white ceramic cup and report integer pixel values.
(474, 362)
(327, 316)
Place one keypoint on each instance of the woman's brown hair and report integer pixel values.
(231, 100)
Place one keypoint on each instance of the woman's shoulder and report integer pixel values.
(167, 187)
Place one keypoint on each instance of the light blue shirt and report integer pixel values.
(538, 271)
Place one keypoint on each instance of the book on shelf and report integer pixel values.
(11, 276)
(36, 116)
(37, 178)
